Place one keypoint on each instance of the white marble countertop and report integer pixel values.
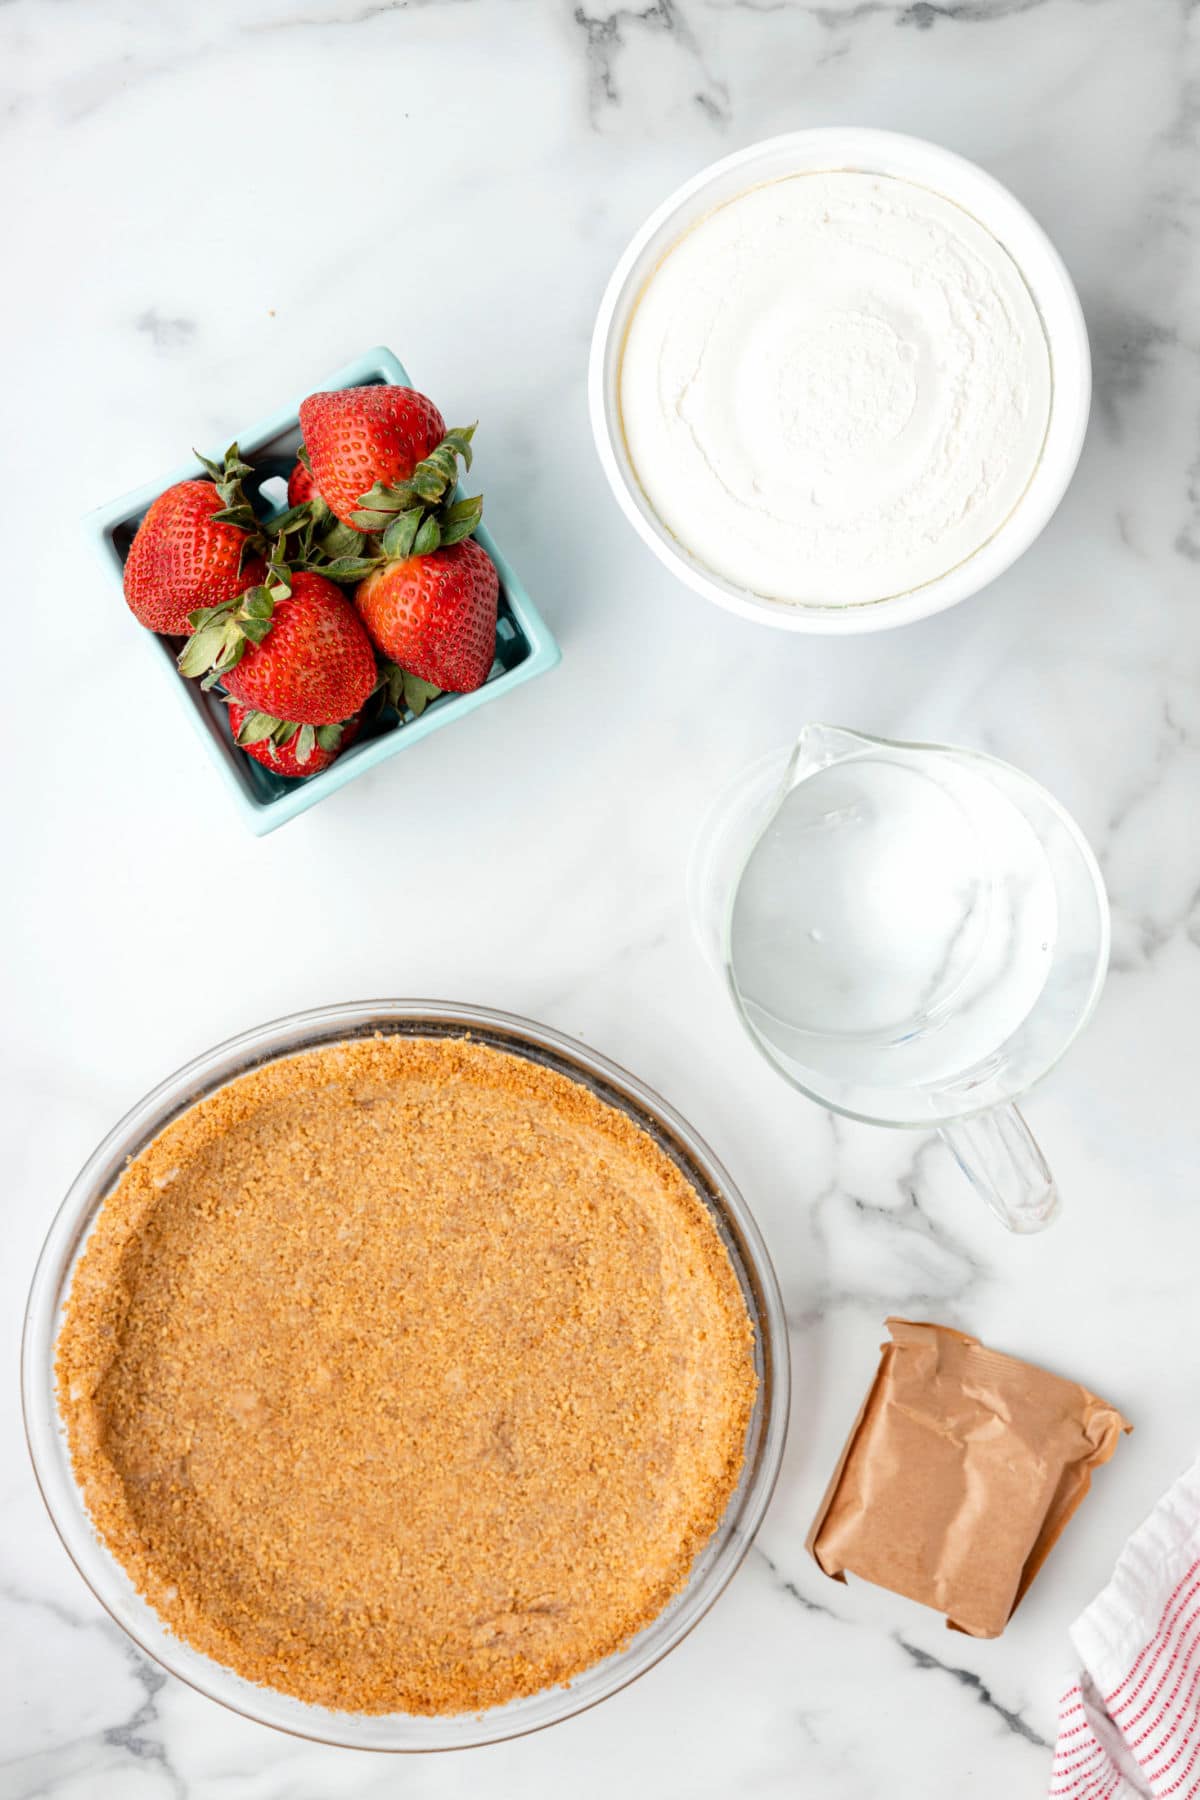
(212, 206)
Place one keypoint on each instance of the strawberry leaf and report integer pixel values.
(390, 683)
(349, 568)
(460, 520)
(256, 726)
(429, 536)
(292, 519)
(303, 456)
(229, 660)
(340, 540)
(437, 473)
(459, 439)
(305, 743)
(208, 615)
(222, 633)
(241, 514)
(202, 650)
(399, 536)
(385, 500)
(329, 736)
(235, 509)
(258, 603)
(417, 693)
(379, 497)
(429, 480)
(236, 468)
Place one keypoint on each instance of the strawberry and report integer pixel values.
(294, 648)
(435, 615)
(190, 549)
(362, 438)
(287, 748)
(301, 486)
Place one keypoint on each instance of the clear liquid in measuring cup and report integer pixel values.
(894, 924)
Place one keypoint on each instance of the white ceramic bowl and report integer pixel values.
(879, 153)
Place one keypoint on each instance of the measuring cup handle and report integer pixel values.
(1002, 1160)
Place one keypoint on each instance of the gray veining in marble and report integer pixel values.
(209, 207)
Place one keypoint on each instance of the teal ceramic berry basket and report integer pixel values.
(524, 645)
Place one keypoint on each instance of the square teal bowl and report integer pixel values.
(524, 646)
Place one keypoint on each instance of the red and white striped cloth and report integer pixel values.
(1129, 1727)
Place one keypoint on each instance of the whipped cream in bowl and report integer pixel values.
(840, 380)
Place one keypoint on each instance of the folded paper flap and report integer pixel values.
(938, 1340)
(1102, 1426)
(827, 1557)
(960, 1473)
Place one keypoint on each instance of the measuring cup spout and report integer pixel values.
(820, 745)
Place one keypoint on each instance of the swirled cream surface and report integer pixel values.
(835, 388)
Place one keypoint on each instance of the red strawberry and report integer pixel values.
(303, 656)
(301, 486)
(315, 664)
(287, 748)
(357, 438)
(183, 559)
(435, 615)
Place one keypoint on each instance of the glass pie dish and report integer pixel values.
(713, 1567)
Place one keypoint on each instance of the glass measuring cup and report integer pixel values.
(913, 935)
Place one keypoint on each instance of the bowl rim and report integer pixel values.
(919, 160)
(293, 1033)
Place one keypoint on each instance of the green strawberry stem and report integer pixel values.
(221, 633)
(308, 536)
(416, 516)
(227, 477)
(410, 518)
(259, 727)
(405, 692)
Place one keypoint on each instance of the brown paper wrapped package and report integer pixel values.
(961, 1471)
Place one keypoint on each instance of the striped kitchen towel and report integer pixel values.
(1129, 1727)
